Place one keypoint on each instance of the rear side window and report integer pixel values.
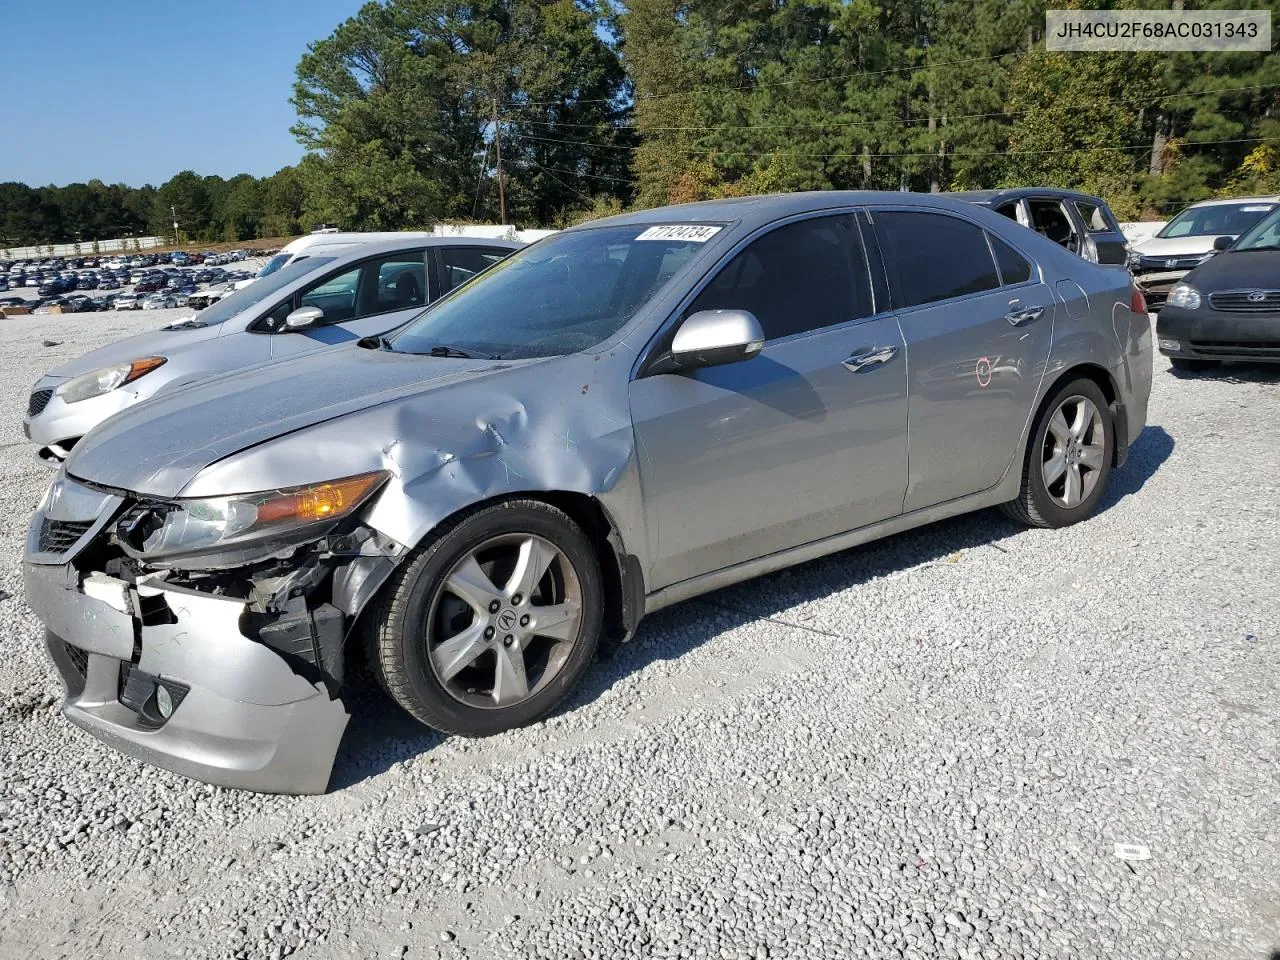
(1095, 221)
(1009, 210)
(800, 277)
(1014, 268)
(931, 256)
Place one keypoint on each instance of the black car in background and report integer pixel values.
(1228, 307)
(1081, 223)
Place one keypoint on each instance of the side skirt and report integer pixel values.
(695, 586)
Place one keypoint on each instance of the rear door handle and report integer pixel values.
(876, 355)
(1019, 317)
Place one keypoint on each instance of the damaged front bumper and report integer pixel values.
(206, 685)
(239, 716)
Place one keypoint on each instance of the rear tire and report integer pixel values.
(1191, 364)
(1068, 460)
(491, 623)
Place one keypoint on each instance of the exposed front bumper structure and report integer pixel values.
(239, 713)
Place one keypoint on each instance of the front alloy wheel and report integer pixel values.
(504, 621)
(492, 621)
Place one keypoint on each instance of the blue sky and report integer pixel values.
(133, 92)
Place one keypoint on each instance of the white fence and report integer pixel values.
(86, 248)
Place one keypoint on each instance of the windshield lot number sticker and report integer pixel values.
(680, 232)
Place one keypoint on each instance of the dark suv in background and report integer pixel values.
(1079, 222)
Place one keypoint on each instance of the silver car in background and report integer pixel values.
(312, 303)
(618, 417)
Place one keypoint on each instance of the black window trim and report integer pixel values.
(899, 208)
(659, 344)
(256, 325)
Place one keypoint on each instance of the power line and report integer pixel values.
(892, 121)
(851, 156)
(778, 83)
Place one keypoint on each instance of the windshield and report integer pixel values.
(1216, 220)
(246, 297)
(562, 295)
(1264, 236)
(274, 264)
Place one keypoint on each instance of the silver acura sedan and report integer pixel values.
(313, 303)
(621, 416)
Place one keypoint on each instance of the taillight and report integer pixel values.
(1137, 302)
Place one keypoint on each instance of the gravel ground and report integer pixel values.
(925, 747)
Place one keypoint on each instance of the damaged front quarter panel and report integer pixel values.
(549, 425)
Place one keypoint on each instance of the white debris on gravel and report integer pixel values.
(928, 747)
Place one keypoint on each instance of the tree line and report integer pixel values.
(598, 105)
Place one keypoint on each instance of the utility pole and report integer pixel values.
(175, 222)
(497, 142)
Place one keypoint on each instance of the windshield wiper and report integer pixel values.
(1268, 246)
(441, 350)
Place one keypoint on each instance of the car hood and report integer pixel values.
(157, 447)
(1237, 271)
(1175, 246)
(157, 343)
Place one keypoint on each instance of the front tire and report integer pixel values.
(491, 622)
(1068, 460)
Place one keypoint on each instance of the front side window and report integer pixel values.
(259, 290)
(800, 277)
(460, 264)
(1216, 220)
(397, 281)
(932, 256)
(561, 295)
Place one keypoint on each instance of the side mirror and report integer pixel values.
(1221, 243)
(304, 317)
(709, 338)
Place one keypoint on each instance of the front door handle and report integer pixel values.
(877, 355)
(1019, 317)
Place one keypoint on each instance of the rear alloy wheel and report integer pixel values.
(490, 624)
(1069, 459)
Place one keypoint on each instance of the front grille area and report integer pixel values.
(38, 401)
(1246, 301)
(1163, 264)
(59, 536)
(1263, 349)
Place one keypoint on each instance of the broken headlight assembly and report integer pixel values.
(97, 382)
(244, 523)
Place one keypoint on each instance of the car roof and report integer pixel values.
(350, 250)
(993, 197)
(760, 210)
(1273, 198)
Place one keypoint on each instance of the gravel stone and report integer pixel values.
(925, 747)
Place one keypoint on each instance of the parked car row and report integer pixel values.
(573, 435)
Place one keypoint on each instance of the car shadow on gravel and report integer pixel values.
(380, 734)
(1234, 372)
